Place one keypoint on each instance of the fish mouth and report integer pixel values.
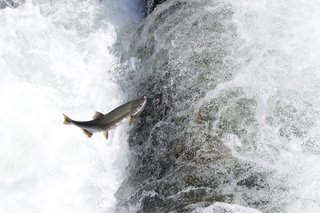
(141, 105)
(144, 102)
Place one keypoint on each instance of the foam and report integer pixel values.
(54, 58)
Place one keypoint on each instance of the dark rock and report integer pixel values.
(151, 4)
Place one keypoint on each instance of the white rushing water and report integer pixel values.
(281, 48)
(267, 113)
(54, 59)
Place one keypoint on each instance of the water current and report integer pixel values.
(233, 111)
(54, 59)
(232, 119)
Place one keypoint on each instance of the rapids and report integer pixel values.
(55, 58)
(232, 118)
(233, 111)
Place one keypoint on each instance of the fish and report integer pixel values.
(105, 122)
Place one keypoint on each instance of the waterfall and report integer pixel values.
(231, 122)
(233, 109)
(55, 58)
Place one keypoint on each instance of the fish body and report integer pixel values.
(104, 122)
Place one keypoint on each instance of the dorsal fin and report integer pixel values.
(97, 115)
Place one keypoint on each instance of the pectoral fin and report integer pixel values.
(89, 134)
(130, 119)
(106, 134)
(97, 115)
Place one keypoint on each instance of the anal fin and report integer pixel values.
(97, 115)
(106, 134)
(89, 134)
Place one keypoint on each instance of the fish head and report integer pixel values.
(138, 105)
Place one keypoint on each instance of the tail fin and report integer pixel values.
(67, 120)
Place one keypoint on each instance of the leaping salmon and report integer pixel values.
(103, 123)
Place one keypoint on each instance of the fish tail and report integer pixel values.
(67, 120)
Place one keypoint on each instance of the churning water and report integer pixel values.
(234, 107)
(280, 70)
(54, 58)
(231, 124)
